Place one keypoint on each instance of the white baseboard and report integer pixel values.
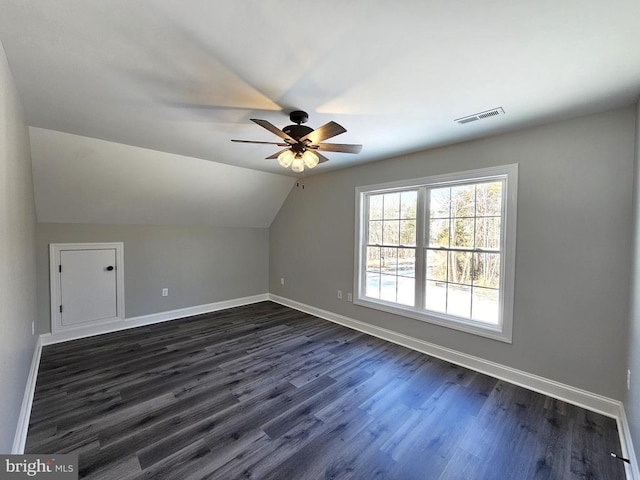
(20, 439)
(575, 396)
(133, 322)
(626, 445)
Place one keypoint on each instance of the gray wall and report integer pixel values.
(573, 246)
(17, 257)
(632, 398)
(198, 265)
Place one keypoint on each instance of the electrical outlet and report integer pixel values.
(281, 280)
(33, 328)
(339, 294)
(628, 379)
(165, 292)
(350, 297)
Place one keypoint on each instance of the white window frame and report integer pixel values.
(509, 174)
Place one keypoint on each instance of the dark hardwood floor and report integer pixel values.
(266, 392)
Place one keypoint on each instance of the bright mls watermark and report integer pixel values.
(51, 467)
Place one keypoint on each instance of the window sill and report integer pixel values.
(443, 320)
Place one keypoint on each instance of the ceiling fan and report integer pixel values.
(303, 144)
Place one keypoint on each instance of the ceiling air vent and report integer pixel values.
(479, 116)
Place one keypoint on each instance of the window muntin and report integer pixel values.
(441, 249)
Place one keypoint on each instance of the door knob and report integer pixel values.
(109, 268)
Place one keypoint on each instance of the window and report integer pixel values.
(441, 249)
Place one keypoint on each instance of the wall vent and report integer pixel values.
(479, 116)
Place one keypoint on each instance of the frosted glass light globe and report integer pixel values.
(285, 158)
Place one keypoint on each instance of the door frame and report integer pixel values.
(55, 290)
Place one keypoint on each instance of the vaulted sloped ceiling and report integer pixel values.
(84, 180)
(185, 76)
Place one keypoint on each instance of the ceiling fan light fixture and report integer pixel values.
(298, 164)
(310, 158)
(286, 158)
(303, 144)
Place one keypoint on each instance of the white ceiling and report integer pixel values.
(185, 76)
(132, 104)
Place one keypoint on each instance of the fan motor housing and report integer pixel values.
(297, 131)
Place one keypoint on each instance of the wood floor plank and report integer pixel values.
(316, 457)
(267, 392)
(263, 456)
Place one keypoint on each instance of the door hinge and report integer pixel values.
(60, 308)
(60, 268)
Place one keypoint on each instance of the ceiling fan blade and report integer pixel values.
(262, 143)
(339, 147)
(321, 157)
(275, 155)
(275, 130)
(328, 130)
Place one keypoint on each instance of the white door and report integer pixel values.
(86, 285)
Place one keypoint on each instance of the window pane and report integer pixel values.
(388, 287)
(439, 202)
(436, 296)
(485, 305)
(488, 233)
(375, 232)
(408, 204)
(439, 233)
(373, 259)
(373, 285)
(406, 291)
(391, 232)
(375, 207)
(460, 267)
(407, 262)
(392, 206)
(407, 232)
(463, 201)
(489, 199)
(459, 300)
(462, 234)
(437, 265)
(487, 270)
(389, 262)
